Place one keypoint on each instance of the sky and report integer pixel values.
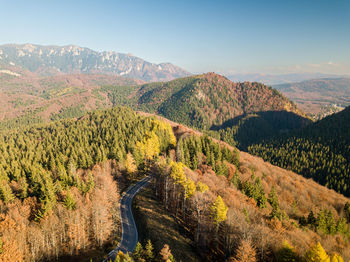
(229, 37)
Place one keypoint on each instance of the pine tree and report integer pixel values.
(341, 225)
(6, 194)
(311, 219)
(137, 254)
(69, 201)
(347, 211)
(273, 200)
(149, 251)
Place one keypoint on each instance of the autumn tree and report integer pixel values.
(218, 210)
(287, 253)
(336, 258)
(245, 252)
(316, 254)
(165, 254)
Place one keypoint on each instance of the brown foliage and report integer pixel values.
(245, 252)
(64, 231)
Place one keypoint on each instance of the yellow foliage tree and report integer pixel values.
(337, 258)
(218, 210)
(201, 187)
(149, 147)
(129, 163)
(190, 188)
(317, 254)
(165, 131)
(177, 173)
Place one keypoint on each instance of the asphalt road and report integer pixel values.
(129, 230)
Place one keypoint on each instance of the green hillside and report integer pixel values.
(320, 151)
(205, 100)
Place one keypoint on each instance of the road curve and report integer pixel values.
(129, 230)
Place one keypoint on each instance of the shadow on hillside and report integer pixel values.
(255, 127)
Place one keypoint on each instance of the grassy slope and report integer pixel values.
(155, 223)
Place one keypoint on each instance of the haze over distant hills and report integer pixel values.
(317, 96)
(53, 60)
(275, 79)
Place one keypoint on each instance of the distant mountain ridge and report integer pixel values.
(71, 59)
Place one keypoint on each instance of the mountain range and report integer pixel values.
(71, 59)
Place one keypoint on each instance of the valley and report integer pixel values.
(319, 97)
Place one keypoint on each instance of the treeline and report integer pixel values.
(146, 254)
(39, 171)
(320, 151)
(194, 151)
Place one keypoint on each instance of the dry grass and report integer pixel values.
(153, 222)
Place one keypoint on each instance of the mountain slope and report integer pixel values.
(314, 95)
(302, 213)
(53, 60)
(320, 151)
(227, 110)
(210, 99)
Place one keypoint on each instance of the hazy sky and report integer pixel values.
(223, 36)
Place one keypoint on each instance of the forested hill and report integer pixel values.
(60, 184)
(52, 201)
(210, 99)
(320, 151)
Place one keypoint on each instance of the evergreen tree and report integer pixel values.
(69, 201)
(149, 255)
(138, 251)
(273, 200)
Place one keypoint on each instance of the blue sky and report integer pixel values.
(223, 36)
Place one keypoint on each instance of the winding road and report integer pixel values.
(129, 230)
